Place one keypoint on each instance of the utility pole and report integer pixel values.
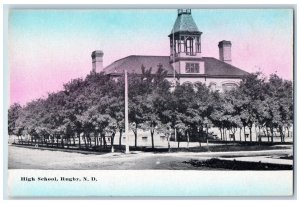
(174, 79)
(173, 53)
(126, 114)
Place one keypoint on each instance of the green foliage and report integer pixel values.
(94, 107)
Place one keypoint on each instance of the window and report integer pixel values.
(213, 86)
(187, 83)
(190, 46)
(181, 44)
(229, 86)
(192, 68)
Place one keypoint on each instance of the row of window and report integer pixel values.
(145, 139)
(189, 45)
(225, 87)
(213, 86)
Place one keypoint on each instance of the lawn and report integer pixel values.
(216, 163)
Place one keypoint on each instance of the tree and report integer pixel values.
(144, 97)
(13, 115)
(248, 90)
(280, 101)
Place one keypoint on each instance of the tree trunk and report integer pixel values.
(245, 134)
(207, 143)
(199, 138)
(52, 141)
(152, 137)
(281, 134)
(268, 135)
(178, 141)
(90, 140)
(62, 142)
(240, 134)
(68, 142)
(120, 139)
(104, 142)
(250, 128)
(95, 140)
(221, 133)
(272, 135)
(255, 128)
(207, 133)
(100, 141)
(169, 147)
(259, 136)
(85, 140)
(188, 138)
(175, 135)
(79, 140)
(224, 135)
(135, 135)
(112, 142)
(74, 143)
(233, 130)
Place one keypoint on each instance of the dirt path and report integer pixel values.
(25, 158)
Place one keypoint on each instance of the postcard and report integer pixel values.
(113, 102)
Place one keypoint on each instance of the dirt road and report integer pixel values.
(26, 158)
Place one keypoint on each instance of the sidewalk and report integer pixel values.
(264, 156)
(235, 153)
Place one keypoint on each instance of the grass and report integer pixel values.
(237, 165)
(229, 148)
(212, 148)
(289, 157)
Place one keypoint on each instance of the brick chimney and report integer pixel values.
(97, 61)
(225, 51)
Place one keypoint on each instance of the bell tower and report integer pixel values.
(185, 44)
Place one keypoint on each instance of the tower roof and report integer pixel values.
(185, 23)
